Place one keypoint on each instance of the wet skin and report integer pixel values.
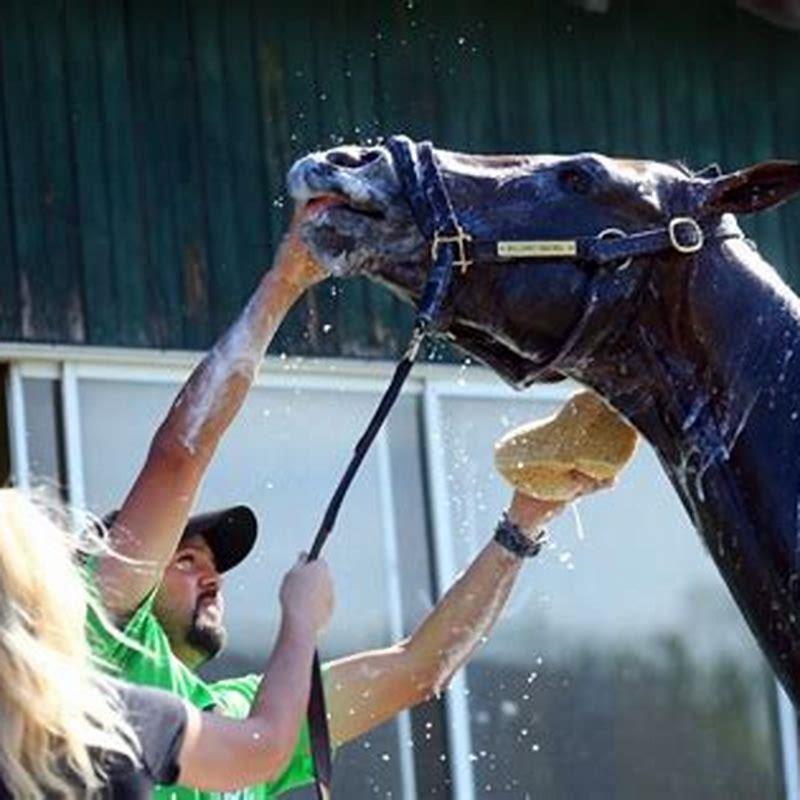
(700, 352)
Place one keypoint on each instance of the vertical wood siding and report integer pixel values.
(143, 145)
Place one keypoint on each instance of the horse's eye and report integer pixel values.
(574, 180)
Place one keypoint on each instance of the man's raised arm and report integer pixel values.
(150, 522)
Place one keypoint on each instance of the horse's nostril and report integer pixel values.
(369, 156)
(341, 158)
(350, 160)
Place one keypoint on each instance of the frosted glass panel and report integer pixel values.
(621, 669)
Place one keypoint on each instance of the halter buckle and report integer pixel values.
(460, 239)
(685, 227)
(616, 233)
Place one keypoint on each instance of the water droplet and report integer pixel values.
(509, 708)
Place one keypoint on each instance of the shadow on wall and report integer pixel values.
(784, 13)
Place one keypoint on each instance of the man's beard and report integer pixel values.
(205, 637)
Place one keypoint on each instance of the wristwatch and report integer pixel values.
(509, 535)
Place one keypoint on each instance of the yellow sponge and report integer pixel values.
(584, 436)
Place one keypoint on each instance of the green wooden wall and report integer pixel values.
(143, 145)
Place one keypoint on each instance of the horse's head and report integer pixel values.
(515, 314)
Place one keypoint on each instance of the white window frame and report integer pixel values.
(434, 382)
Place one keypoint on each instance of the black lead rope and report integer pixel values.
(430, 206)
(317, 714)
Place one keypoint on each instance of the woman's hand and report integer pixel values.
(307, 594)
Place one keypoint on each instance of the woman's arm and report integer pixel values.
(219, 753)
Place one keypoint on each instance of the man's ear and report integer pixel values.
(758, 187)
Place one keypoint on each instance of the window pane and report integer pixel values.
(44, 437)
(283, 456)
(622, 668)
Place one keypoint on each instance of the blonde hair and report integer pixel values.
(53, 711)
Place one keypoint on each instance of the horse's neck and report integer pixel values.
(709, 371)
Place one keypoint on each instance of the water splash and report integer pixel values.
(576, 516)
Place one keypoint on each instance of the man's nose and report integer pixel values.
(210, 580)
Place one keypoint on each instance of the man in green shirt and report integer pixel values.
(162, 586)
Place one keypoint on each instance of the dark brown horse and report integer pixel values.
(700, 350)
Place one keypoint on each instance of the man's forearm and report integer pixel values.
(218, 386)
(465, 615)
(154, 513)
(283, 695)
(463, 618)
(369, 688)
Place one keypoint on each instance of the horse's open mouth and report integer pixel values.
(317, 206)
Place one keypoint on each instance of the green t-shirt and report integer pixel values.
(153, 664)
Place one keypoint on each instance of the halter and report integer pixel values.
(453, 250)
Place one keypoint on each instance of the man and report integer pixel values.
(164, 592)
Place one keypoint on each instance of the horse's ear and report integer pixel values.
(753, 189)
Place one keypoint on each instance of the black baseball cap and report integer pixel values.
(229, 532)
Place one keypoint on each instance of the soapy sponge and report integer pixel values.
(585, 436)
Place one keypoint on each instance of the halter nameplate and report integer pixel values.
(537, 249)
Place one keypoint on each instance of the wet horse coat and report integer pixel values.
(700, 351)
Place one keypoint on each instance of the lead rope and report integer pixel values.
(319, 733)
(425, 193)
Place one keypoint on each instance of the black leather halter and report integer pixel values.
(454, 249)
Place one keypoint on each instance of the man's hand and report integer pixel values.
(307, 594)
(530, 514)
(294, 263)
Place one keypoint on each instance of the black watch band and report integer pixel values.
(509, 535)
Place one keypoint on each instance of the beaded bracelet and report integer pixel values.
(509, 535)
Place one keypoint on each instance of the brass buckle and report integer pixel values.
(692, 247)
(460, 239)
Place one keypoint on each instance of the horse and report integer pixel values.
(633, 278)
